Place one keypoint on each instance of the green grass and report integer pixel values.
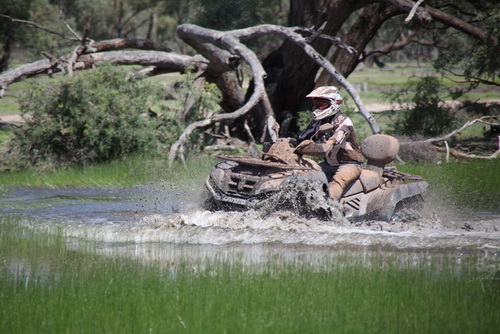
(471, 184)
(119, 173)
(379, 81)
(45, 287)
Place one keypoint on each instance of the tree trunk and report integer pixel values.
(291, 74)
(358, 36)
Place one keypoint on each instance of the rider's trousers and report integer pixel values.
(346, 173)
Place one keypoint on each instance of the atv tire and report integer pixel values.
(409, 209)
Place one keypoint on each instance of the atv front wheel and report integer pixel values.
(409, 209)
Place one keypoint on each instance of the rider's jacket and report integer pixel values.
(342, 138)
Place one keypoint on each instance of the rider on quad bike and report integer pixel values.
(338, 145)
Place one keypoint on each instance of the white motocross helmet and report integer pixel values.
(327, 101)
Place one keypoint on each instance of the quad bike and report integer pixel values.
(381, 192)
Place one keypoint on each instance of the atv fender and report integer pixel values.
(316, 176)
(382, 203)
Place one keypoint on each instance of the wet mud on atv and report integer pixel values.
(283, 178)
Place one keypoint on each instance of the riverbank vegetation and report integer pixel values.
(462, 60)
(47, 286)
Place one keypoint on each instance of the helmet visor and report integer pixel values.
(321, 104)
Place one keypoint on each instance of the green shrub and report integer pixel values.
(426, 113)
(96, 116)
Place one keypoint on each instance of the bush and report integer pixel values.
(96, 116)
(426, 114)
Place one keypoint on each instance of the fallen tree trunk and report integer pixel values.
(163, 61)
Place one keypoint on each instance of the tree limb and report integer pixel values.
(463, 127)
(166, 62)
(413, 11)
(459, 154)
(61, 17)
(291, 34)
(429, 13)
(230, 41)
(460, 25)
(429, 141)
(169, 62)
(38, 26)
(123, 43)
(410, 6)
(232, 44)
(76, 53)
(405, 39)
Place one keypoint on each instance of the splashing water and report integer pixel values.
(141, 216)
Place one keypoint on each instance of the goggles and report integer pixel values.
(321, 103)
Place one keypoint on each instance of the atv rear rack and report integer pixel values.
(392, 172)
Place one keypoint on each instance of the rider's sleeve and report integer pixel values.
(338, 140)
(343, 132)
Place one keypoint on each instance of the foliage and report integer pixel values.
(206, 97)
(96, 116)
(474, 59)
(124, 18)
(426, 114)
(194, 100)
(304, 118)
(233, 14)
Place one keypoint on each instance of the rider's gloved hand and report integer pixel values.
(301, 145)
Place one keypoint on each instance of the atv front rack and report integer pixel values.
(260, 162)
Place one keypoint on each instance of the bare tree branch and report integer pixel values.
(230, 41)
(408, 6)
(466, 125)
(430, 13)
(405, 39)
(227, 41)
(473, 80)
(413, 11)
(459, 154)
(123, 43)
(61, 17)
(76, 53)
(428, 142)
(458, 24)
(38, 26)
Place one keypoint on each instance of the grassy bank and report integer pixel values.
(46, 287)
(118, 173)
(471, 184)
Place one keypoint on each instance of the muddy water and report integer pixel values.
(161, 222)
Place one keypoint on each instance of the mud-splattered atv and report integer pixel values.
(381, 192)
